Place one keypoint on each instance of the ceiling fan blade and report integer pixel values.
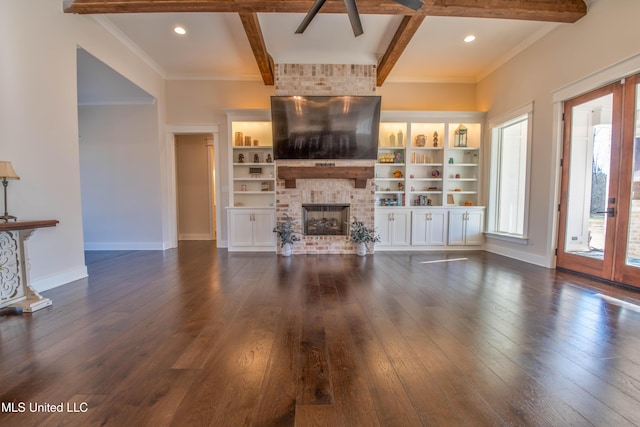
(411, 4)
(310, 15)
(354, 17)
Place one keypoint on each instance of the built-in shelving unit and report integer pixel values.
(253, 181)
(421, 161)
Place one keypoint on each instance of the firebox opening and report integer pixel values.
(325, 220)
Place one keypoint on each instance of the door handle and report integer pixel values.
(611, 212)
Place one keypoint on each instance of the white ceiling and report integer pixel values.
(216, 46)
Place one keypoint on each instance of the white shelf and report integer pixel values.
(253, 147)
(255, 192)
(253, 179)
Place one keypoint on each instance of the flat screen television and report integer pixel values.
(325, 127)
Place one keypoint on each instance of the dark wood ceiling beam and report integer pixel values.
(566, 11)
(539, 10)
(254, 34)
(401, 39)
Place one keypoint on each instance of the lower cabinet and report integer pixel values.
(429, 227)
(251, 229)
(393, 226)
(466, 227)
(420, 228)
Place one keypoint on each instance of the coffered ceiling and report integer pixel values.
(242, 39)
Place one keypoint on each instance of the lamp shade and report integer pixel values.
(7, 172)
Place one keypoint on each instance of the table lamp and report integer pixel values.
(6, 173)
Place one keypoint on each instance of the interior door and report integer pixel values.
(590, 178)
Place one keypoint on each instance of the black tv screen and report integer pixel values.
(325, 127)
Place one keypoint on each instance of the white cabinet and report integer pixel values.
(466, 227)
(429, 227)
(393, 226)
(251, 229)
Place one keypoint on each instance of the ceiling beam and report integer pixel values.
(401, 39)
(539, 10)
(254, 34)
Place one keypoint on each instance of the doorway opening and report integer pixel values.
(195, 186)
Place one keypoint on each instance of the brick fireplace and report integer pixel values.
(313, 79)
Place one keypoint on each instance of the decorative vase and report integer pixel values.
(286, 249)
(361, 249)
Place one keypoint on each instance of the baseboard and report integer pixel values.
(123, 246)
(519, 255)
(59, 279)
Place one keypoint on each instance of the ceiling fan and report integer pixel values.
(352, 12)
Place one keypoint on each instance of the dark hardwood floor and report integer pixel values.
(200, 337)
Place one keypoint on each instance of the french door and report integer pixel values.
(599, 229)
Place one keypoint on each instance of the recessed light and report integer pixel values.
(179, 30)
(469, 38)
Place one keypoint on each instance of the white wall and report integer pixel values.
(119, 175)
(39, 124)
(572, 52)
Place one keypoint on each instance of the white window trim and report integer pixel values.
(501, 121)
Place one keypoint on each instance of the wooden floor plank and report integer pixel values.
(201, 336)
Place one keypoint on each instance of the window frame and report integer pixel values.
(495, 127)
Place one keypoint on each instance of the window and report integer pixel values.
(509, 176)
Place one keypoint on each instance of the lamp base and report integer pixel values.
(7, 218)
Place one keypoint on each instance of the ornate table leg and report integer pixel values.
(15, 288)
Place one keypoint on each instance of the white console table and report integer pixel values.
(15, 288)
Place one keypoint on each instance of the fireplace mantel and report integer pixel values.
(358, 173)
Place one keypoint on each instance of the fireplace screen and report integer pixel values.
(325, 220)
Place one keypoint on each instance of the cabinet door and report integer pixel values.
(474, 228)
(436, 230)
(263, 223)
(240, 228)
(456, 227)
(420, 227)
(383, 227)
(401, 228)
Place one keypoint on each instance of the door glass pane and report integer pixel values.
(633, 239)
(589, 177)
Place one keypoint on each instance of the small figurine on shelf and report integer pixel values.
(269, 158)
(392, 140)
(398, 156)
(435, 139)
(256, 158)
(400, 138)
(240, 158)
